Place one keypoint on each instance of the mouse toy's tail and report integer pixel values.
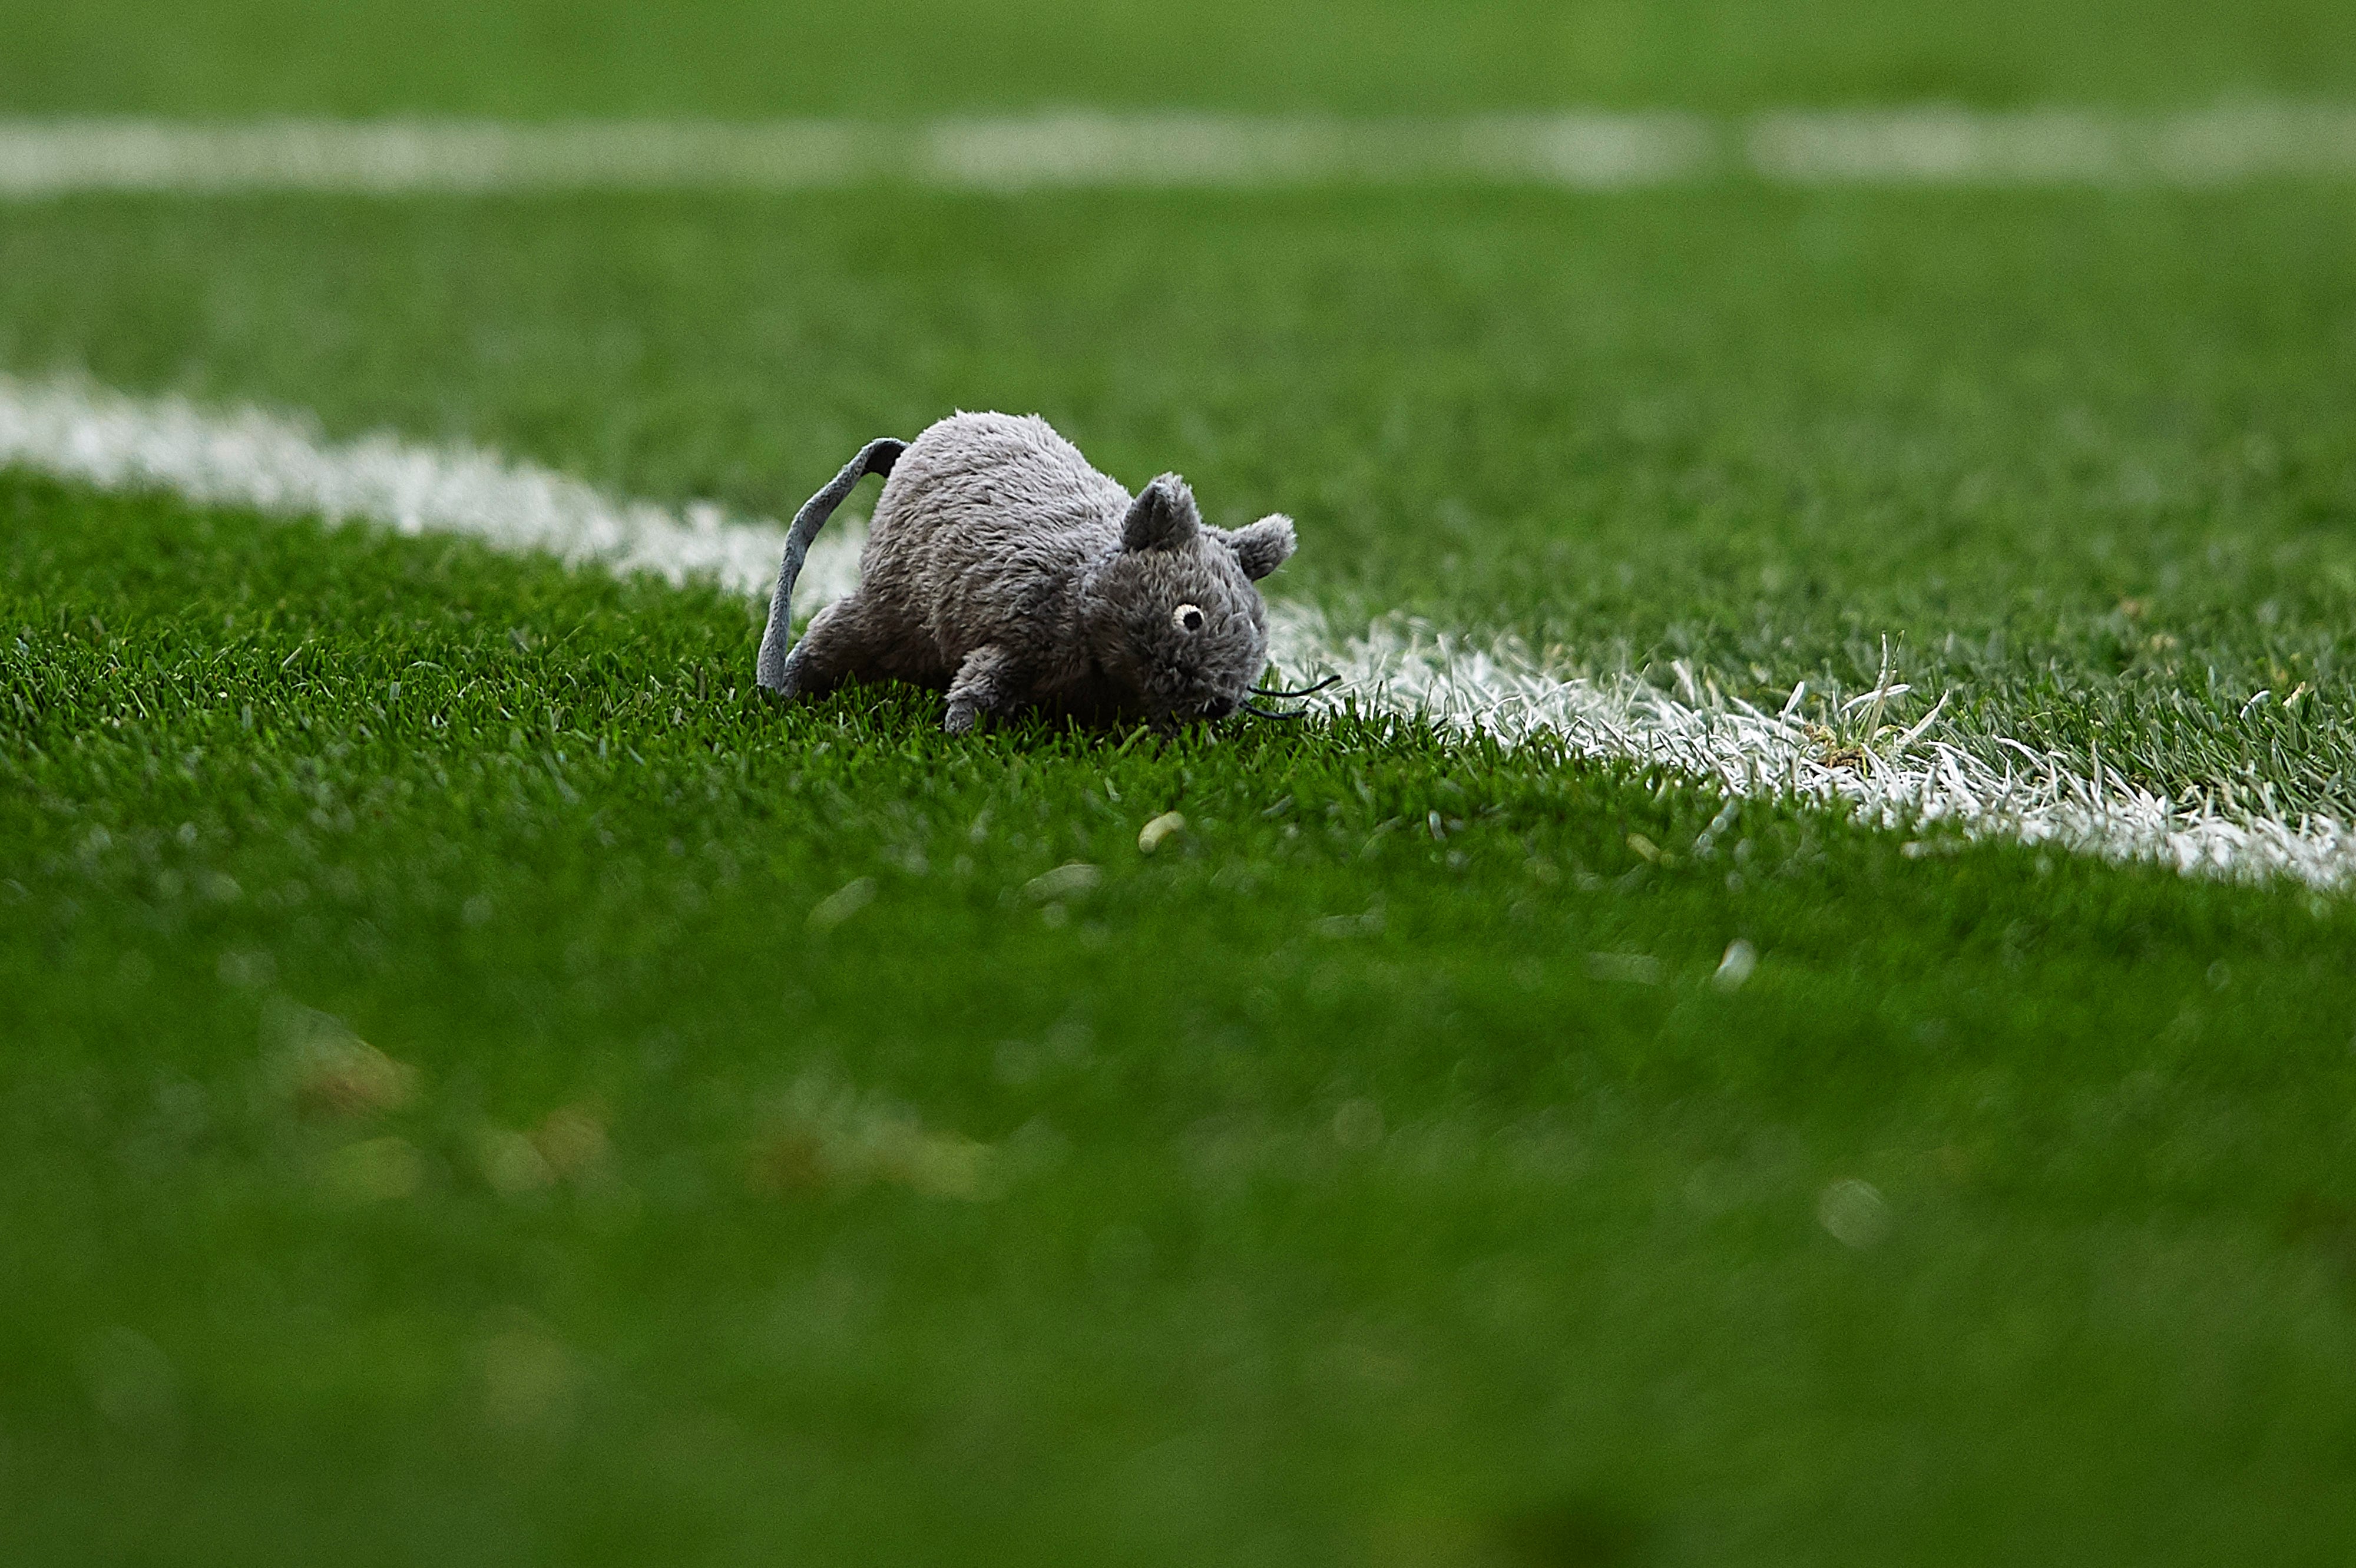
(876, 458)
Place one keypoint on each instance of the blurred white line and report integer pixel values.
(1593, 152)
(1928, 144)
(283, 466)
(44, 158)
(1935, 146)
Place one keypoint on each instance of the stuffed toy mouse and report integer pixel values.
(1004, 569)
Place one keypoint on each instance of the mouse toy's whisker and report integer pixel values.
(1272, 714)
(1304, 692)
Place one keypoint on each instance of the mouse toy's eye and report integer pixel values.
(1187, 617)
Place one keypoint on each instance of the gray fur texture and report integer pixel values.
(1004, 569)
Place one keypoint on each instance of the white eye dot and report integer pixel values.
(1187, 617)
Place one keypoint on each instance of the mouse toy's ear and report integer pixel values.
(1163, 516)
(1264, 546)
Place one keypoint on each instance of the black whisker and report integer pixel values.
(1304, 692)
(1272, 714)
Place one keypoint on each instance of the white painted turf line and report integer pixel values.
(1407, 666)
(1908, 145)
(282, 466)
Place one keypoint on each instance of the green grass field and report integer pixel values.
(536, 58)
(478, 1086)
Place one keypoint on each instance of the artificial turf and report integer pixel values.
(1374, 1172)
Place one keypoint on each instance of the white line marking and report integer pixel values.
(284, 466)
(54, 158)
(1923, 144)
(1404, 665)
(1934, 146)
(1588, 152)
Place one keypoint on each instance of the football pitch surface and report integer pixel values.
(476, 1085)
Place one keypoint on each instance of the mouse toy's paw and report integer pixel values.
(985, 681)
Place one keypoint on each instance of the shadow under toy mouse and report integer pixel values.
(1004, 569)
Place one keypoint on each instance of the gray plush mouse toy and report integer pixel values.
(1003, 568)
